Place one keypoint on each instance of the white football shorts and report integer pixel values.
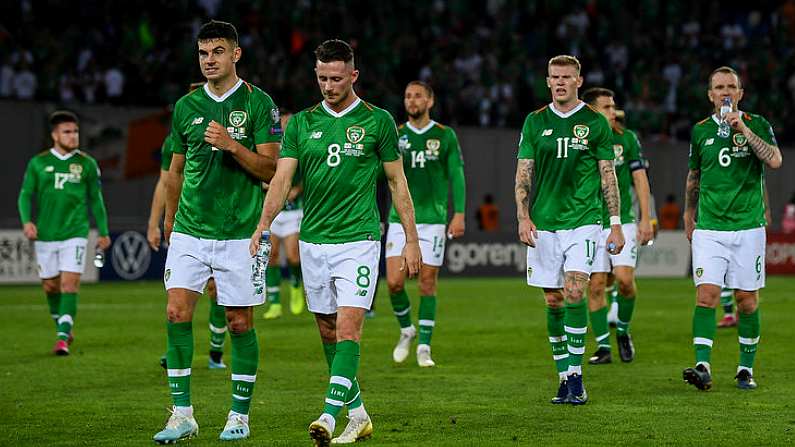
(561, 251)
(432, 239)
(604, 261)
(54, 257)
(731, 259)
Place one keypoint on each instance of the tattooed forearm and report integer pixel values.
(574, 286)
(692, 189)
(766, 152)
(524, 181)
(610, 187)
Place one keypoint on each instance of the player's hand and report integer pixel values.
(103, 242)
(735, 120)
(30, 231)
(253, 246)
(527, 232)
(615, 241)
(645, 231)
(168, 227)
(690, 225)
(153, 236)
(457, 226)
(218, 137)
(411, 258)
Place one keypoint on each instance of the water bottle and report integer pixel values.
(724, 130)
(261, 262)
(99, 258)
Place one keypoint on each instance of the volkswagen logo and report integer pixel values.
(131, 255)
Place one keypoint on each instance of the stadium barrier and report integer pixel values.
(18, 259)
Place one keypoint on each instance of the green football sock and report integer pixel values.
(295, 275)
(427, 319)
(748, 328)
(727, 301)
(600, 328)
(402, 307)
(245, 359)
(626, 305)
(179, 357)
(217, 326)
(576, 325)
(273, 283)
(343, 374)
(354, 398)
(54, 301)
(703, 333)
(557, 338)
(67, 311)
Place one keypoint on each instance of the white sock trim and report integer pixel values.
(560, 356)
(178, 372)
(575, 330)
(217, 330)
(339, 380)
(336, 403)
(559, 339)
(244, 378)
(400, 313)
(575, 350)
(702, 341)
(748, 341)
(430, 323)
(602, 337)
(66, 318)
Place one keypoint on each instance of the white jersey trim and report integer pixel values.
(228, 93)
(62, 157)
(717, 119)
(566, 114)
(427, 127)
(342, 113)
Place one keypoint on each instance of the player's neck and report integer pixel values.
(420, 122)
(61, 150)
(220, 86)
(565, 107)
(344, 104)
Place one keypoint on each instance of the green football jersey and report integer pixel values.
(220, 200)
(62, 186)
(431, 158)
(731, 196)
(339, 155)
(166, 153)
(626, 148)
(566, 148)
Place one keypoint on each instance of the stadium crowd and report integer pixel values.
(484, 59)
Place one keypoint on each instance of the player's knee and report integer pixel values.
(707, 296)
(177, 313)
(553, 299)
(747, 302)
(51, 286)
(395, 285)
(70, 287)
(626, 287)
(427, 287)
(237, 324)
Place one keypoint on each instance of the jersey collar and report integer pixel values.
(717, 120)
(423, 130)
(228, 93)
(343, 112)
(62, 157)
(567, 114)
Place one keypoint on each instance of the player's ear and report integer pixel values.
(354, 76)
(237, 54)
(549, 84)
(579, 81)
(431, 102)
(740, 94)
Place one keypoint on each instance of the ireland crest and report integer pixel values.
(699, 272)
(355, 134)
(237, 118)
(739, 139)
(432, 147)
(581, 131)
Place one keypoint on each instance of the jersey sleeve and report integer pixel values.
(603, 140)
(387, 139)
(694, 157)
(179, 142)
(95, 196)
(166, 153)
(24, 202)
(267, 125)
(290, 139)
(632, 154)
(526, 149)
(764, 130)
(455, 171)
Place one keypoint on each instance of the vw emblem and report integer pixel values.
(131, 255)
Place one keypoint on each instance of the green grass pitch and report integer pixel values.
(492, 384)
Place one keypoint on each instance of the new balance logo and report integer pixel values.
(546, 133)
(709, 141)
(49, 169)
(197, 120)
(316, 135)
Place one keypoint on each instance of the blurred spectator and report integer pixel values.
(788, 220)
(7, 78)
(24, 82)
(114, 84)
(488, 215)
(670, 214)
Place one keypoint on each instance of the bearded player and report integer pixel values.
(725, 221)
(566, 154)
(431, 160)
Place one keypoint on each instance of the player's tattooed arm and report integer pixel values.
(768, 153)
(610, 187)
(525, 168)
(574, 286)
(692, 190)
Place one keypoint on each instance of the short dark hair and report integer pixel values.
(62, 116)
(216, 29)
(334, 50)
(592, 94)
(727, 70)
(424, 85)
